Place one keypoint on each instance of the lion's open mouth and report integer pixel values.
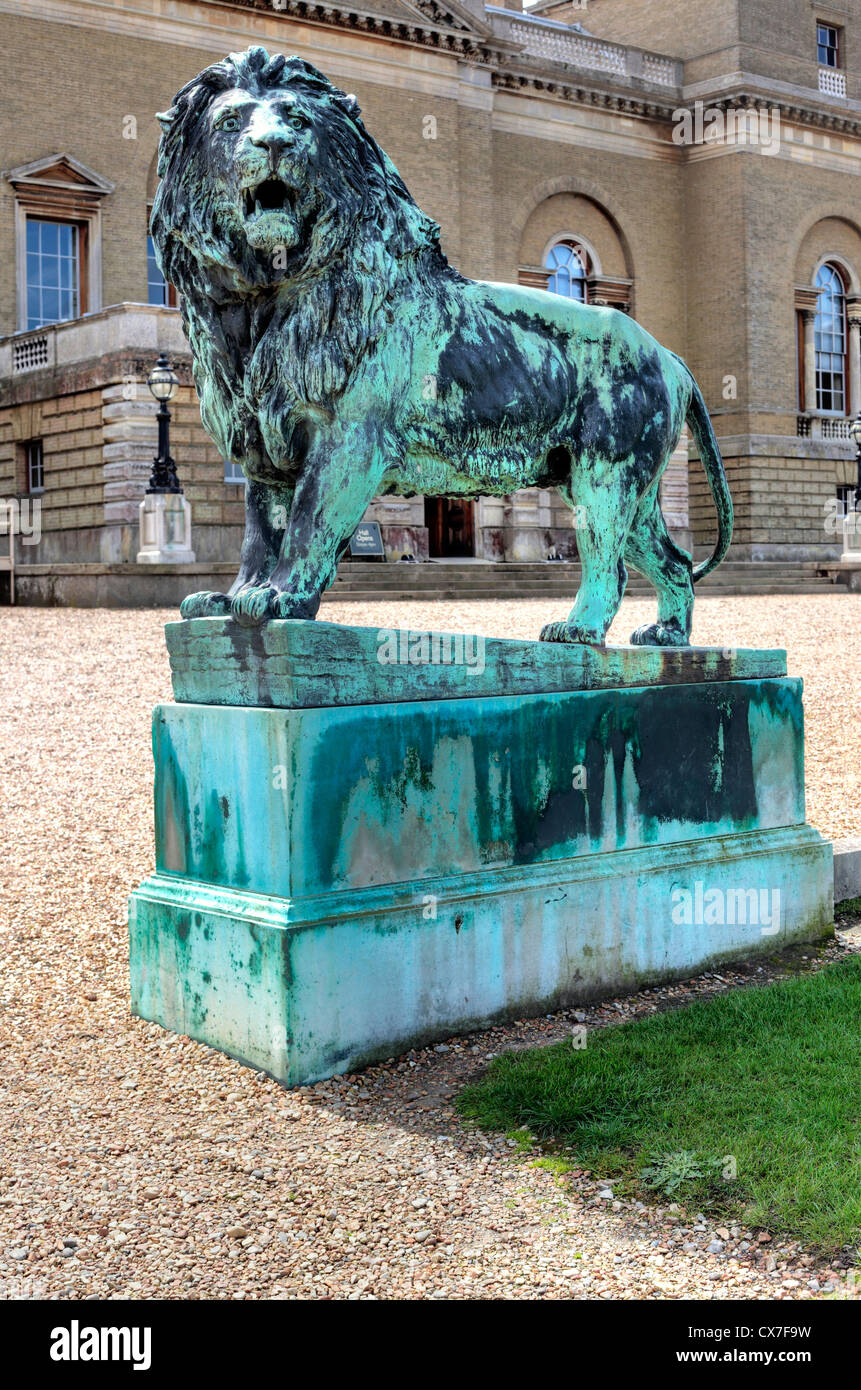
(272, 195)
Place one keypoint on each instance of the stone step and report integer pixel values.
(564, 595)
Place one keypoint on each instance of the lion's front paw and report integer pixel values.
(659, 635)
(254, 605)
(206, 604)
(259, 603)
(566, 632)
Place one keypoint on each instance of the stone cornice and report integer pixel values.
(513, 69)
(560, 81)
(449, 28)
(436, 26)
(797, 112)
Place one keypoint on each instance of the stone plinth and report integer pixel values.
(165, 530)
(852, 538)
(355, 856)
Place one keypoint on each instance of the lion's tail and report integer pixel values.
(701, 425)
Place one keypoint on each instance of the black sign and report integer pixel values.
(367, 540)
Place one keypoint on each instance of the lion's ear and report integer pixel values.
(166, 118)
(350, 103)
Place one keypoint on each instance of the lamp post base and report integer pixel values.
(165, 530)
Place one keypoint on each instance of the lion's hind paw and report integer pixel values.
(206, 604)
(566, 632)
(659, 635)
(252, 606)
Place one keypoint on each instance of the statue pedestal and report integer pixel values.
(363, 846)
(852, 537)
(165, 530)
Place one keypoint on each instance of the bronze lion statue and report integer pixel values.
(338, 357)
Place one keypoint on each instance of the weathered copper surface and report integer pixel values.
(338, 356)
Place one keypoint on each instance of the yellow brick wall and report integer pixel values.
(201, 468)
(681, 28)
(85, 118)
(70, 428)
(643, 195)
(566, 212)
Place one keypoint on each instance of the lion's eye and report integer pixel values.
(297, 123)
(229, 123)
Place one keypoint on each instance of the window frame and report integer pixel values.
(233, 482)
(575, 245)
(26, 487)
(60, 189)
(837, 45)
(172, 300)
(843, 411)
(81, 251)
(845, 499)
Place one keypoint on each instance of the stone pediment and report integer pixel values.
(449, 14)
(59, 171)
(464, 16)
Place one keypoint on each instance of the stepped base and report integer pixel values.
(309, 989)
(338, 881)
(98, 585)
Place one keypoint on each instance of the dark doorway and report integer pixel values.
(451, 527)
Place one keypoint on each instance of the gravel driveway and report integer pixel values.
(134, 1163)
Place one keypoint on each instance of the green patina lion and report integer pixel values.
(338, 356)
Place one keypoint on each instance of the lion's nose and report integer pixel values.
(273, 138)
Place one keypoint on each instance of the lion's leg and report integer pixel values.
(330, 499)
(653, 552)
(601, 539)
(267, 508)
(266, 511)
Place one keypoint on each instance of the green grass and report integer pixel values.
(769, 1076)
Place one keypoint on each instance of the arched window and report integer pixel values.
(568, 265)
(830, 338)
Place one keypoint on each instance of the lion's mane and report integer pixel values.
(260, 348)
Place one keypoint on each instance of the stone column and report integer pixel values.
(130, 441)
(806, 299)
(528, 519)
(675, 500)
(853, 313)
(475, 172)
(808, 317)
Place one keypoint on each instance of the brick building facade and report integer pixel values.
(692, 162)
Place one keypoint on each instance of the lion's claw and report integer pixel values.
(205, 604)
(659, 635)
(252, 606)
(567, 632)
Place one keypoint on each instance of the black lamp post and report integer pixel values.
(164, 384)
(855, 431)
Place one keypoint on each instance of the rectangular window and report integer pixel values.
(158, 290)
(830, 342)
(845, 500)
(799, 359)
(830, 388)
(233, 472)
(34, 466)
(828, 46)
(53, 271)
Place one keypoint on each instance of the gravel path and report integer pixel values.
(134, 1163)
